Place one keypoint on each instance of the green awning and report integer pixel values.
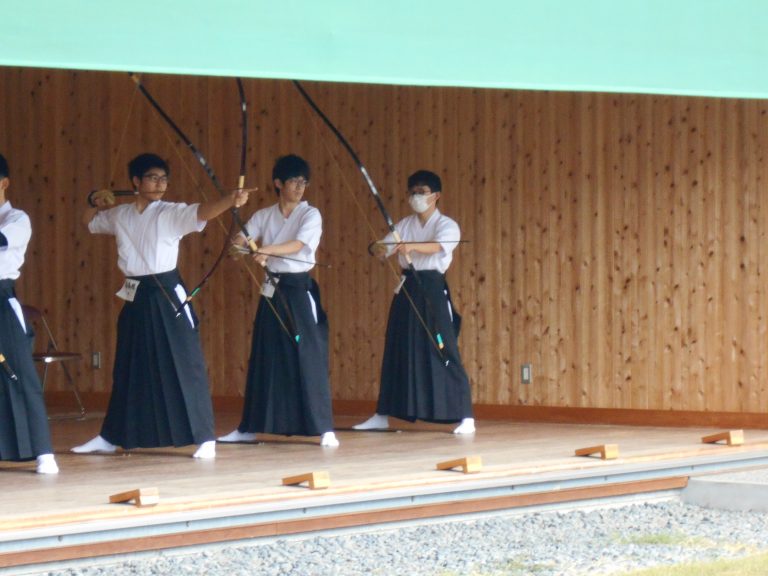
(693, 47)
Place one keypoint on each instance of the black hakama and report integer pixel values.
(24, 432)
(415, 382)
(287, 390)
(160, 394)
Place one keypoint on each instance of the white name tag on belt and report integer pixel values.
(400, 285)
(128, 291)
(268, 288)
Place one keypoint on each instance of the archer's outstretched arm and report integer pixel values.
(212, 208)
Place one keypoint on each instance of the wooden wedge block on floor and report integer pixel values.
(140, 497)
(731, 437)
(315, 480)
(606, 451)
(468, 464)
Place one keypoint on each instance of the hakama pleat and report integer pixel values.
(160, 392)
(24, 430)
(416, 383)
(287, 389)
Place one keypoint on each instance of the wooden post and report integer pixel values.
(140, 496)
(468, 464)
(731, 437)
(316, 480)
(606, 451)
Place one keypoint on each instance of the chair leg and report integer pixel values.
(74, 390)
(45, 374)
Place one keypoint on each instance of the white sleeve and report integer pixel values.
(447, 234)
(255, 225)
(16, 232)
(180, 219)
(103, 222)
(310, 229)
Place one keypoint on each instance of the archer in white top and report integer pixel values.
(148, 231)
(15, 233)
(23, 407)
(148, 240)
(303, 224)
(415, 385)
(287, 389)
(436, 229)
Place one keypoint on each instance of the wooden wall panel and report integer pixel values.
(617, 242)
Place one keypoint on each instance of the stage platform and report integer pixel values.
(375, 478)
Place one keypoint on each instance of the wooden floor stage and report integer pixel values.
(364, 464)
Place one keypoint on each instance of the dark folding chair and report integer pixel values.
(52, 353)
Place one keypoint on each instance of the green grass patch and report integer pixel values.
(749, 566)
(504, 568)
(665, 539)
(682, 540)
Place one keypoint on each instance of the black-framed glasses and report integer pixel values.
(298, 181)
(156, 178)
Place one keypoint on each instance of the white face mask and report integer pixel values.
(420, 202)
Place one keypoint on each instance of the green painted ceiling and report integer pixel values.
(693, 47)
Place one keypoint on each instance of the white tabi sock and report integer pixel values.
(467, 426)
(375, 422)
(97, 444)
(237, 436)
(206, 450)
(329, 439)
(46, 464)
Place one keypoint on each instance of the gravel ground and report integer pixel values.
(607, 540)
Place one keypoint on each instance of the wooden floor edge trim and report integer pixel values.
(206, 502)
(626, 417)
(580, 415)
(561, 414)
(348, 520)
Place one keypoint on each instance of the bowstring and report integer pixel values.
(113, 169)
(196, 184)
(113, 162)
(188, 169)
(396, 273)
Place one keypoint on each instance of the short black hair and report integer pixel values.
(143, 163)
(425, 178)
(4, 170)
(290, 166)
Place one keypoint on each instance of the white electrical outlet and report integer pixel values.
(526, 373)
(96, 360)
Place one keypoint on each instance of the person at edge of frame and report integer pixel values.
(24, 431)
